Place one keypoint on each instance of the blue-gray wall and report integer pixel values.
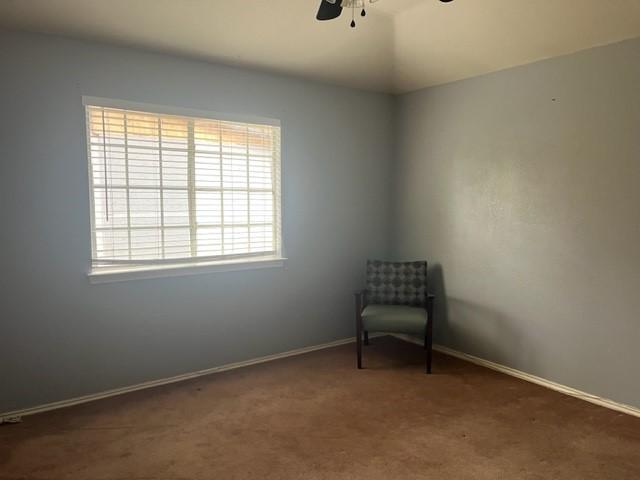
(524, 186)
(520, 187)
(61, 337)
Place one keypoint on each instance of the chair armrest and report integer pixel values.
(430, 298)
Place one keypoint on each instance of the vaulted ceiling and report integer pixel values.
(402, 45)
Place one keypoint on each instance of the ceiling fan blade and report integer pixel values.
(329, 9)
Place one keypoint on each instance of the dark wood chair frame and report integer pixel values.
(361, 303)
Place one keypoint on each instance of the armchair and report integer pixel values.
(395, 301)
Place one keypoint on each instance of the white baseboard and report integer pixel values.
(14, 416)
(603, 402)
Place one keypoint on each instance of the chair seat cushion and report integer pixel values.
(394, 319)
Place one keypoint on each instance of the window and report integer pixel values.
(172, 190)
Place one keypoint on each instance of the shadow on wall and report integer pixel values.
(473, 328)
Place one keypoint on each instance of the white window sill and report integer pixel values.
(108, 275)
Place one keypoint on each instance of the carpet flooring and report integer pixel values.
(316, 417)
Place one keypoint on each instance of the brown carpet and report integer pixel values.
(316, 417)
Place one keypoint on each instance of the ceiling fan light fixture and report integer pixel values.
(330, 9)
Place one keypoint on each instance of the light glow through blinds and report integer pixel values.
(176, 189)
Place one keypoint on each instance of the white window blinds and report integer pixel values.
(177, 189)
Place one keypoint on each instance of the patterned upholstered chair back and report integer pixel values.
(396, 283)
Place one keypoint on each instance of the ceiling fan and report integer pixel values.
(330, 9)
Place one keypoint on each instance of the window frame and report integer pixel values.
(179, 267)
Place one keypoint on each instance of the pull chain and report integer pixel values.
(353, 15)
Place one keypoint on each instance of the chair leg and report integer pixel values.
(428, 338)
(366, 337)
(359, 329)
(359, 348)
(428, 348)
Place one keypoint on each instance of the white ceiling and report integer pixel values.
(402, 45)
(391, 7)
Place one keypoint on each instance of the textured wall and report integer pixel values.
(523, 187)
(61, 337)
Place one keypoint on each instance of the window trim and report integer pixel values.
(180, 111)
(107, 274)
(111, 275)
